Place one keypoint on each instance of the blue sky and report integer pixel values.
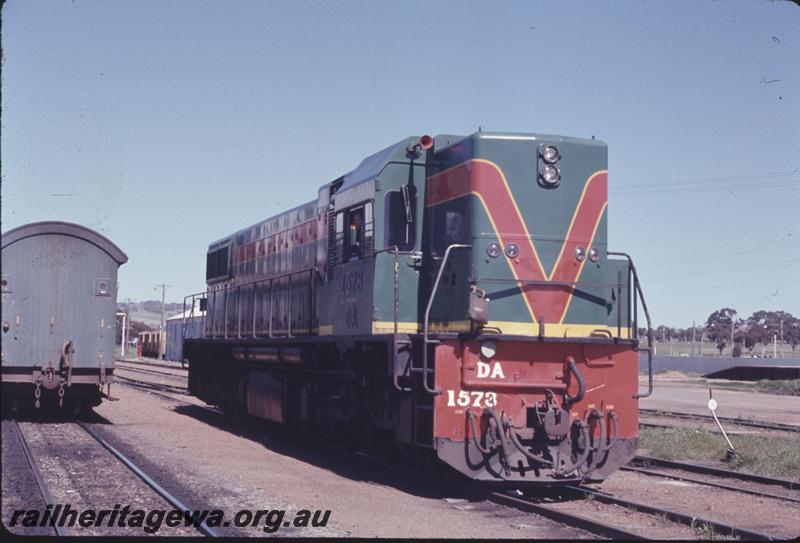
(167, 125)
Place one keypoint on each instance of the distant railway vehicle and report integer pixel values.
(152, 343)
(450, 296)
(59, 288)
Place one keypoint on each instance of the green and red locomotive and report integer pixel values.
(451, 296)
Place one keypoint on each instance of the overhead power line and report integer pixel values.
(770, 264)
(731, 254)
(755, 181)
(720, 179)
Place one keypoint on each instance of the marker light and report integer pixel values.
(550, 154)
(594, 254)
(580, 253)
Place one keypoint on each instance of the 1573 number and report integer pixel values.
(474, 398)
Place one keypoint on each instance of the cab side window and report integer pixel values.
(354, 233)
(400, 218)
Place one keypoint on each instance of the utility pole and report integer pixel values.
(732, 336)
(163, 287)
(124, 316)
(693, 337)
(781, 338)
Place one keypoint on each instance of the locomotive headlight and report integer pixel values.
(580, 253)
(493, 250)
(488, 349)
(550, 154)
(594, 254)
(550, 174)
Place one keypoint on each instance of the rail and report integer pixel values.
(38, 477)
(712, 484)
(202, 527)
(671, 515)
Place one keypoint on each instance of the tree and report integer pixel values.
(718, 327)
(791, 332)
(765, 326)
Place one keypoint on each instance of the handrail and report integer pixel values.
(254, 282)
(638, 290)
(426, 340)
(523, 281)
(188, 318)
(396, 252)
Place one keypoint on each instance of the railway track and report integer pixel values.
(37, 475)
(149, 385)
(203, 528)
(172, 375)
(586, 523)
(154, 362)
(647, 461)
(691, 521)
(531, 503)
(730, 420)
(162, 493)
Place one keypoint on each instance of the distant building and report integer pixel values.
(194, 321)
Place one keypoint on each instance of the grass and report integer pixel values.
(704, 531)
(762, 455)
(786, 387)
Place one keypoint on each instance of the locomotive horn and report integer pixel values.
(426, 141)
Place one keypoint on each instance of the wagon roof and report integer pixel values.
(65, 229)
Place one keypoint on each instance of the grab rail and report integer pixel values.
(639, 295)
(426, 341)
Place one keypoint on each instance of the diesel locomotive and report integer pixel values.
(59, 293)
(450, 297)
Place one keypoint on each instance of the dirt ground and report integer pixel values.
(764, 515)
(198, 458)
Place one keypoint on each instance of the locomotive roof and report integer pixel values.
(367, 170)
(370, 167)
(65, 229)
